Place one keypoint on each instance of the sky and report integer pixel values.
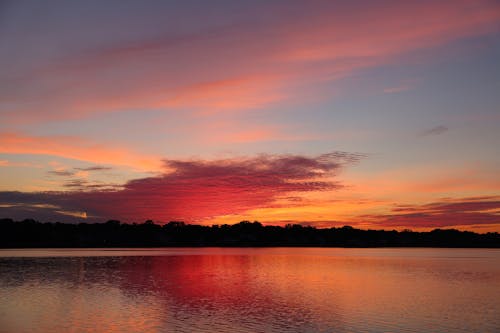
(374, 114)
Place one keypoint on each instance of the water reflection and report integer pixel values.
(253, 290)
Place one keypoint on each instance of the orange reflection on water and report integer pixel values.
(254, 290)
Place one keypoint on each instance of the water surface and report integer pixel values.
(250, 290)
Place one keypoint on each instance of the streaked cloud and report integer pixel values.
(404, 85)
(76, 148)
(445, 213)
(7, 163)
(81, 172)
(94, 168)
(238, 65)
(437, 130)
(98, 106)
(63, 173)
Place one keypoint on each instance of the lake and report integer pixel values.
(250, 290)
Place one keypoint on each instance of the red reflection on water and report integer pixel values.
(254, 290)
(190, 277)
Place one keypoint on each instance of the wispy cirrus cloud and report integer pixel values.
(75, 148)
(239, 65)
(7, 163)
(195, 190)
(253, 67)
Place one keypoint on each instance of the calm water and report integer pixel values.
(250, 290)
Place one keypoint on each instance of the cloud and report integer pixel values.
(238, 93)
(76, 183)
(61, 172)
(445, 213)
(438, 130)
(7, 163)
(85, 185)
(76, 148)
(94, 168)
(38, 211)
(256, 59)
(194, 190)
(397, 89)
(404, 85)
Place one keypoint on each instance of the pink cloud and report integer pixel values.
(242, 66)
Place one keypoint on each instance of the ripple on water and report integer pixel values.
(253, 290)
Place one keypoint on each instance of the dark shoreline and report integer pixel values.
(113, 234)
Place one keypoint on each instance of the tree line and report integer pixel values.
(30, 233)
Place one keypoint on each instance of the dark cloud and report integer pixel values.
(67, 173)
(197, 189)
(446, 213)
(64, 173)
(75, 183)
(40, 213)
(94, 168)
(438, 130)
(82, 184)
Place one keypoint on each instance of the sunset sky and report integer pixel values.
(374, 114)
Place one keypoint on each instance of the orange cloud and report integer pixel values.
(419, 183)
(76, 148)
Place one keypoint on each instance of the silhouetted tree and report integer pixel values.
(30, 233)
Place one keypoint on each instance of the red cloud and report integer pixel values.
(196, 190)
